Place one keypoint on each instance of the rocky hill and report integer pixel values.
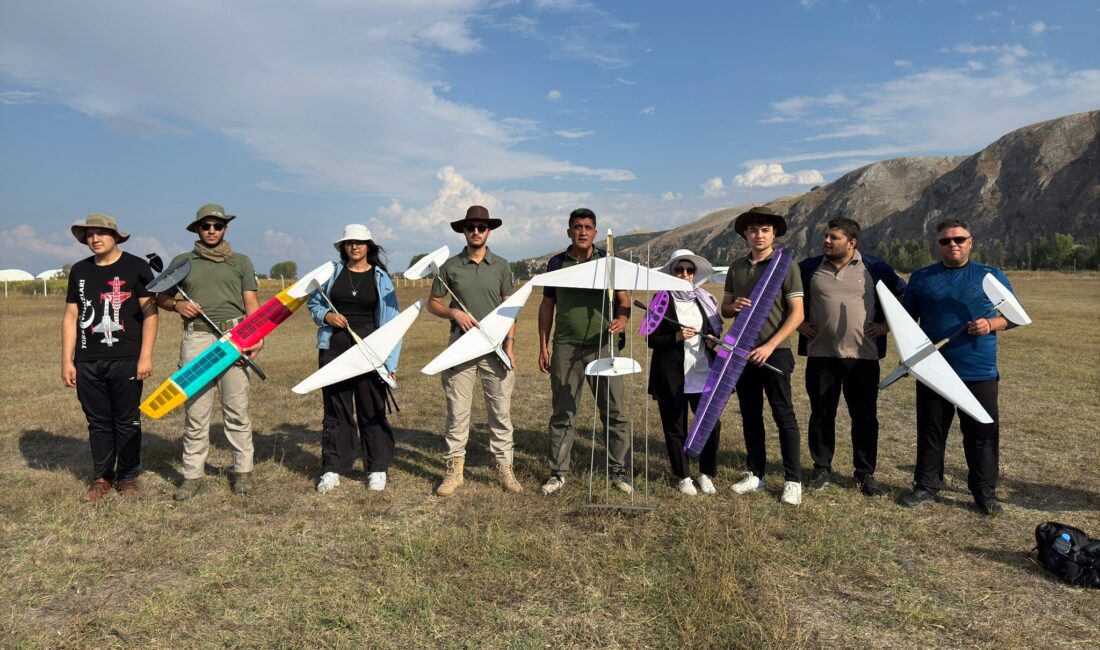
(1033, 182)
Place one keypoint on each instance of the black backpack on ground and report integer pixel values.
(1068, 553)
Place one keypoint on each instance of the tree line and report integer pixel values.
(1061, 252)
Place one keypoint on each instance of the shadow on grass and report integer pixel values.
(1039, 496)
(49, 451)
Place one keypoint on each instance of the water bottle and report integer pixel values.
(1063, 544)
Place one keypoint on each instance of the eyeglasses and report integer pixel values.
(959, 241)
(687, 270)
(212, 225)
(480, 227)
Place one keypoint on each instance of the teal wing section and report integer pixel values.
(206, 367)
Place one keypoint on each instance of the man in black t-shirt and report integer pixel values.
(107, 337)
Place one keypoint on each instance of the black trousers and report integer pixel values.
(674, 419)
(355, 416)
(826, 378)
(109, 392)
(754, 384)
(980, 441)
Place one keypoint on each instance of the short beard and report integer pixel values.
(483, 243)
(833, 257)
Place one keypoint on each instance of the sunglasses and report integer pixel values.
(944, 241)
(479, 227)
(689, 270)
(212, 225)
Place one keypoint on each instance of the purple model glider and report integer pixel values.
(731, 356)
(655, 313)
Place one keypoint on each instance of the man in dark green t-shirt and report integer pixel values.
(760, 226)
(579, 321)
(481, 280)
(222, 284)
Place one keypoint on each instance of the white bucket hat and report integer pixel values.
(703, 268)
(352, 232)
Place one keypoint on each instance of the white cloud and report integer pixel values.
(992, 89)
(987, 15)
(772, 175)
(714, 187)
(359, 110)
(648, 110)
(673, 196)
(624, 82)
(23, 245)
(280, 244)
(573, 134)
(554, 96)
(1038, 27)
(14, 97)
(903, 63)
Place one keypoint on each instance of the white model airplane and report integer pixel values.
(366, 356)
(487, 337)
(611, 274)
(1003, 302)
(429, 265)
(107, 325)
(920, 358)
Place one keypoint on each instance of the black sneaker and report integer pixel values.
(869, 487)
(916, 498)
(820, 479)
(990, 507)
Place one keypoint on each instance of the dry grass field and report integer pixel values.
(288, 567)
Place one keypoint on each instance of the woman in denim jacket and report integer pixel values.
(364, 297)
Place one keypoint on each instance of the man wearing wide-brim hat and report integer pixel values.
(760, 226)
(481, 281)
(107, 337)
(222, 284)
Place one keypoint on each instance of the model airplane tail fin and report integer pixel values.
(612, 367)
(1004, 301)
(428, 265)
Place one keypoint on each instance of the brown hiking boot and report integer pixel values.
(187, 489)
(130, 489)
(242, 483)
(508, 479)
(453, 480)
(96, 490)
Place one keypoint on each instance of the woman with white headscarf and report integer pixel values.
(680, 365)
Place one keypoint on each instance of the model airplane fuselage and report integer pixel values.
(201, 371)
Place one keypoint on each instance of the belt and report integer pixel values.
(199, 325)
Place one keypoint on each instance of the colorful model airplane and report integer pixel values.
(487, 337)
(732, 356)
(191, 379)
(611, 274)
(367, 355)
(920, 358)
(429, 265)
(169, 280)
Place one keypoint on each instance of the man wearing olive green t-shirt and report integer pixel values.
(578, 321)
(222, 284)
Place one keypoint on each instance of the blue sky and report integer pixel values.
(301, 117)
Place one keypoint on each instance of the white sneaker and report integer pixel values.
(553, 484)
(706, 484)
(686, 487)
(622, 484)
(792, 493)
(329, 480)
(749, 483)
(376, 481)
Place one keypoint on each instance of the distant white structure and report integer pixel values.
(14, 275)
(50, 275)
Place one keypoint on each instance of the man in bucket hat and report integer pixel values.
(481, 280)
(107, 337)
(760, 226)
(223, 285)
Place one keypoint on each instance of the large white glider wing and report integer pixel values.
(620, 274)
(908, 336)
(934, 372)
(922, 360)
(485, 339)
(361, 359)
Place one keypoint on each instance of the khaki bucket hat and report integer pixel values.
(98, 220)
(209, 210)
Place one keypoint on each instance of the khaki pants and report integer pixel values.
(567, 380)
(233, 388)
(496, 383)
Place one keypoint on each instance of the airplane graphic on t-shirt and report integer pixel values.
(112, 304)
